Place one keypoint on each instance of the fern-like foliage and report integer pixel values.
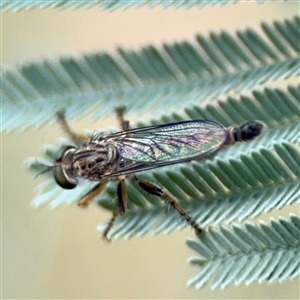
(266, 252)
(17, 5)
(203, 78)
(152, 79)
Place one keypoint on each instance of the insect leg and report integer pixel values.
(110, 225)
(84, 201)
(157, 191)
(124, 124)
(120, 209)
(122, 197)
(61, 118)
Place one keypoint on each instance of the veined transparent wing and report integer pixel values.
(157, 146)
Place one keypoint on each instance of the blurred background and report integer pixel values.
(59, 254)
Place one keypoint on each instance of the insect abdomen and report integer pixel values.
(245, 132)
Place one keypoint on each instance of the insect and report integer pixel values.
(120, 155)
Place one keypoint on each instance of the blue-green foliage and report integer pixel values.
(17, 5)
(266, 252)
(152, 79)
(223, 77)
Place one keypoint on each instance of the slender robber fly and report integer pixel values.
(120, 155)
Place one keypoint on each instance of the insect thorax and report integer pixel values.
(95, 160)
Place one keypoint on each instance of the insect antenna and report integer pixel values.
(47, 169)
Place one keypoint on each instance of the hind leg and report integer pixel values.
(157, 191)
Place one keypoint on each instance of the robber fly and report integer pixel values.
(119, 155)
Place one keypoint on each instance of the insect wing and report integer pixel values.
(156, 146)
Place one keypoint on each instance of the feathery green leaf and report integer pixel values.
(266, 252)
(202, 78)
(17, 5)
(152, 79)
(240, 182)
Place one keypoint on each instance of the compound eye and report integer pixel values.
(61, 175)
(62, 179)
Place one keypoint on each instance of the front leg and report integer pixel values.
(87, 198)
(120, 111)
(75, 137)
